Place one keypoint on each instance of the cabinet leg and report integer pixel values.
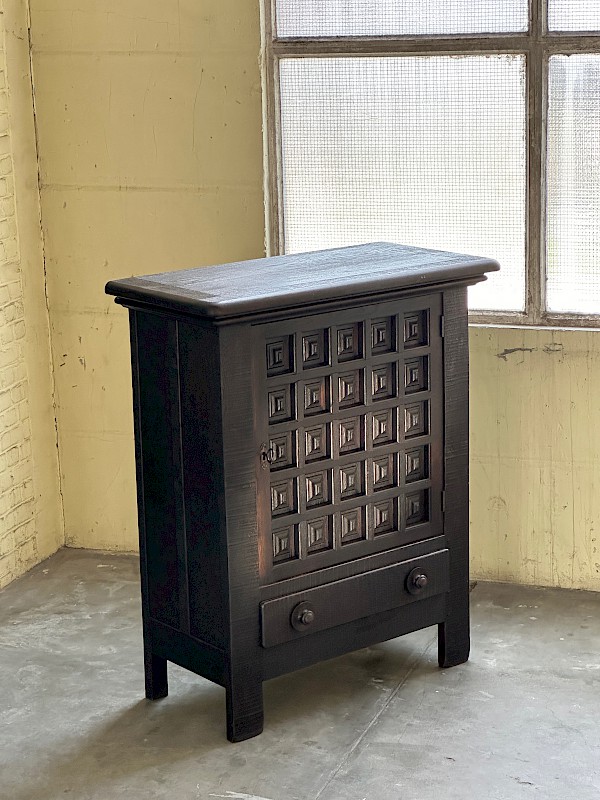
(244, 711)
(454, 639)
(155, 671)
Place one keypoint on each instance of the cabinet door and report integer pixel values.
(352, 434)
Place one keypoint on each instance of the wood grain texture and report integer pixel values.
(157, 415)
(253, 287)
(201, 456)
(188, 652)
(353, 598)
(155, 666)
(213, 403)
(241, 460)
(361, 366)
(454, 637)
(348, 569)
(355, 635)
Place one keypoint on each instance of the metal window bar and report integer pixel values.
(537, 44)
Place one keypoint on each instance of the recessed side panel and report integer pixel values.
(203, 479)
(159, 468)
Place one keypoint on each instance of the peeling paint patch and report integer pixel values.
(509, 351)
(554, 347)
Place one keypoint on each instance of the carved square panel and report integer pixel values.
(415, 329)
(384, 427)
(385, 516)
(352, 525)
(352, 480)
(282, 451)
(315, 350)
(281, 404)
(318, 489)
(349, 342)
(280, 356)
(316, 442)
(416, 419)
(316, 396)
(383, 335)
(351, 435)
(319, 534)
(416, 508)
(415, 375)
(416, 465)
(383, 382)
(384, 472)
(350, 389)
(283, 497)
(285, 544)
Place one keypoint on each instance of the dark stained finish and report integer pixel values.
(286, 282)
(160, 467)
(202, 465)
(454, 638)
(373, 592)
(301, 430)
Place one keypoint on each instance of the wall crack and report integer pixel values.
(44, 264)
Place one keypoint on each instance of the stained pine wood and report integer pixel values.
(373, 592)
(454, 638)
(298, 423)
(287, 282)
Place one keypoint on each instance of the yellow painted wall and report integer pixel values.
(149, 125)
(30, 510)
(150, 144)
(535, 456)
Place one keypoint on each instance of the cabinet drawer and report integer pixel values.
(286, 618)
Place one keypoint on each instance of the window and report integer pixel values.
(467, 125)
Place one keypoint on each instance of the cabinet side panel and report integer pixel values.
(241, 459)
(159, 466)
(202, 457)
(455, 634)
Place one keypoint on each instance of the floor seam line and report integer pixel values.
(411, 668)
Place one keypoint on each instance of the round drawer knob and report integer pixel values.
(417, 580)
(307, 617)
(420, 581)
(302, 616)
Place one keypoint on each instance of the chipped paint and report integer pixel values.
(30, 525)
(535, 465)
(511, 350)
(147, 163)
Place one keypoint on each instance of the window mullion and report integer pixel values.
(535, 164)
(403, 45)
(530, 43)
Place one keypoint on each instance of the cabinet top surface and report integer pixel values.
(264, 285)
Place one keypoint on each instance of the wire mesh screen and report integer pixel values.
(391, 17)
(574, 15)
(573, 201)
(426, 151)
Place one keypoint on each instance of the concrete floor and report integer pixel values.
(520, 720)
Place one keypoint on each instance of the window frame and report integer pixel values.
(537, 45)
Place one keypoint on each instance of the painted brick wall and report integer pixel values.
(18, 544)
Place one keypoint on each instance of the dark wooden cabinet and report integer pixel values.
(301, 427)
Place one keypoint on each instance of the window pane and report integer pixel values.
(392, 17)
(573, 204)
(574, 15)
(425, 151)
